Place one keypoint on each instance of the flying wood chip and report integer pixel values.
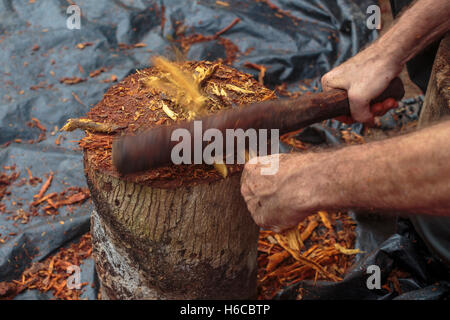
(71, 81)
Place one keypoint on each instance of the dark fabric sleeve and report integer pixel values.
(419, 68)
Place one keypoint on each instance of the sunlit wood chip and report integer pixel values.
(347, 251)
(237, 89)
(87, 124)
(222, 169)
(172, 115)
(204, 74)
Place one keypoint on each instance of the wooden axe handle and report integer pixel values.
(153, 147)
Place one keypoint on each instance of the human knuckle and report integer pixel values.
(355, 96)
(244, 189)
(259, 218)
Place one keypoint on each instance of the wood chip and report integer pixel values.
(71, 81)
(325, 220)
(347, 251)
(89, 125)
(45, 186)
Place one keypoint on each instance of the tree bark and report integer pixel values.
(188, 242)
(434, 230)
(437, 100)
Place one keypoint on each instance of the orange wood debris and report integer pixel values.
(52, 273)
(45, 186)
(71, 81)
(282, 262)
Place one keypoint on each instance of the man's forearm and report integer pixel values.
(368, 73)
(409, 174)
(419, 26)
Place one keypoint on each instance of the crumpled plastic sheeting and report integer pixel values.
(428, 279)
(316, 37)
(388, 242)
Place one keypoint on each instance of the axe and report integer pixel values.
(152, 148)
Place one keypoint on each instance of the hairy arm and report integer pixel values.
(420, 25)
(407, 174)
(368, 73)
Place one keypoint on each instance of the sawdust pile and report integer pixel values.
(162, 95)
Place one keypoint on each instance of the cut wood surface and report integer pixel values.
(150, 98)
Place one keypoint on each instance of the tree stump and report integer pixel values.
(176, 232)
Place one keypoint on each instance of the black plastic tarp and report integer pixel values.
(37, 49)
